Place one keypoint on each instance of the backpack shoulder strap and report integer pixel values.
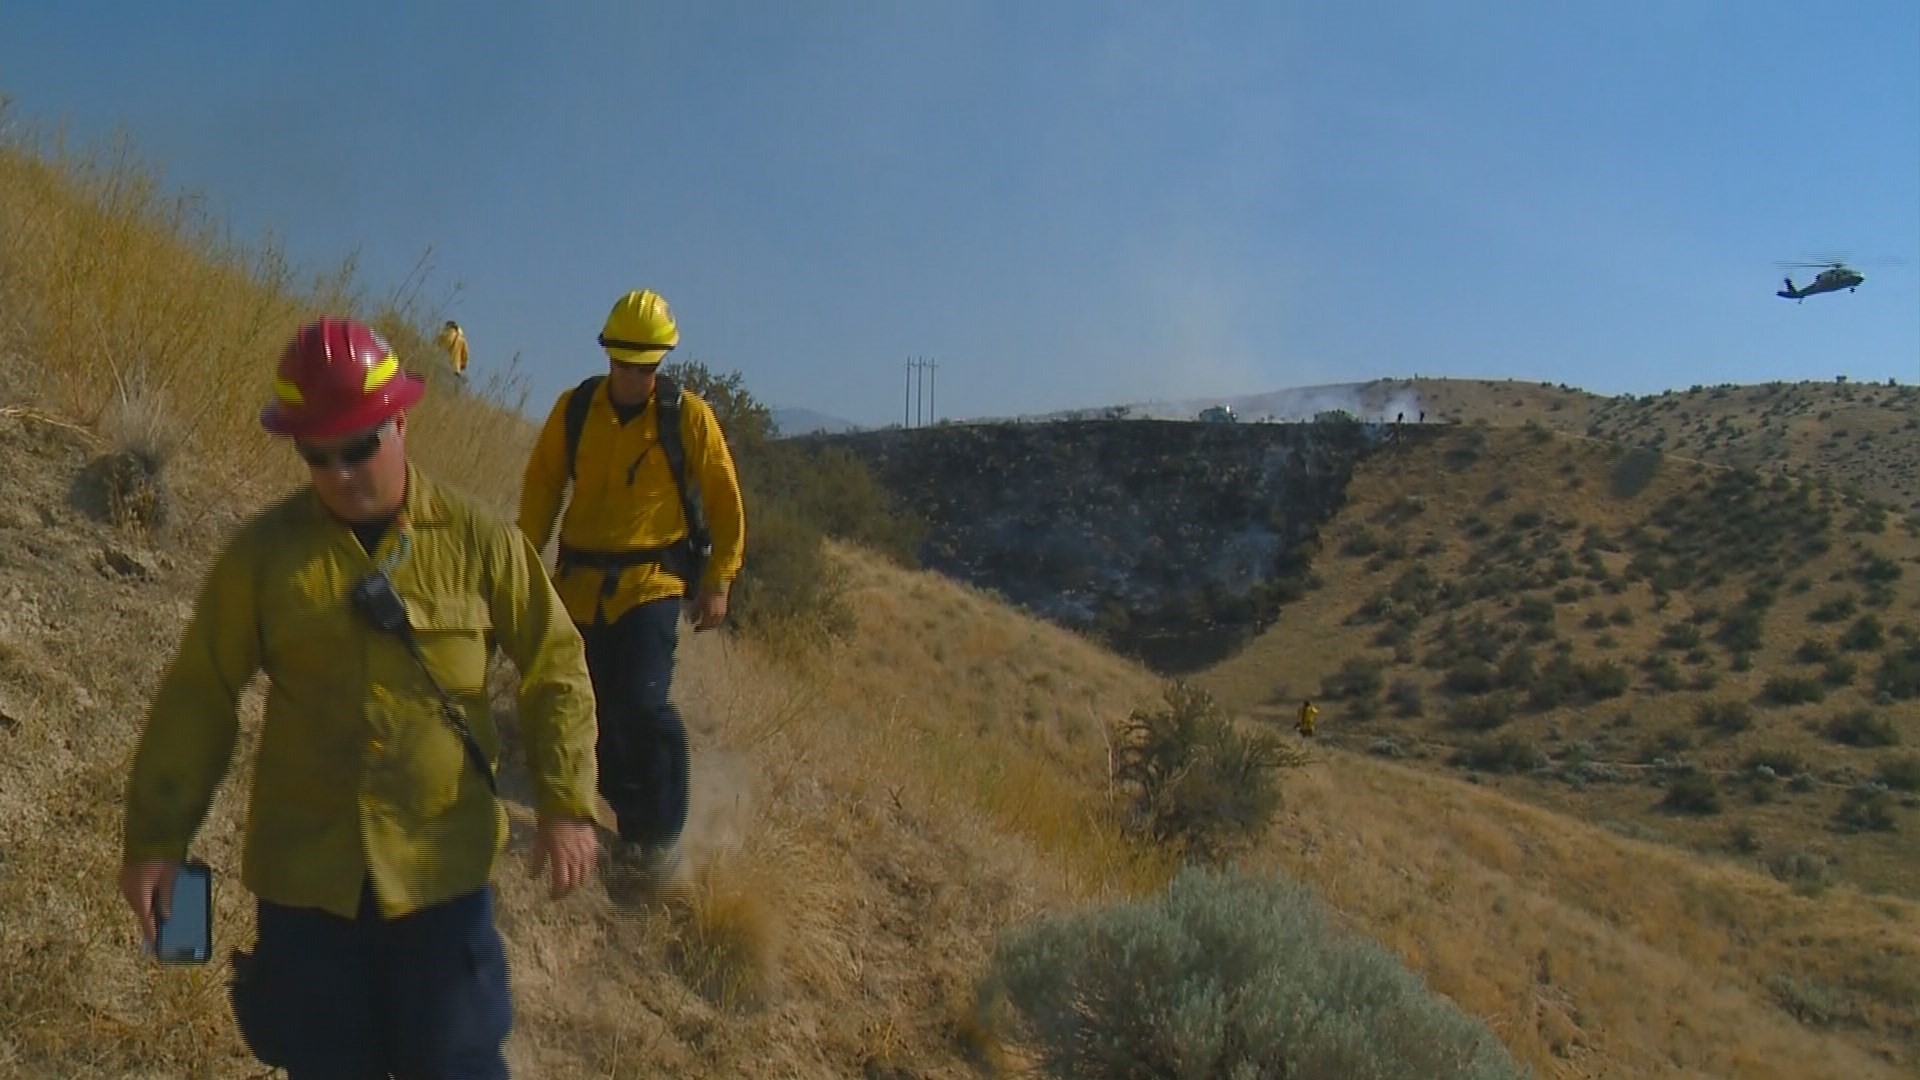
(667, 402)
(577, 405)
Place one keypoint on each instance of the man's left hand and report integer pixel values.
(708, 610)
(571, 846)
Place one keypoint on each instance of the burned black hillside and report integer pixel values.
(1173, 542)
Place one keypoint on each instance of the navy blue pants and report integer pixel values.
(642, 744)
(422, 997)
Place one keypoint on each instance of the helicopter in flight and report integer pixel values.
(1834, 275)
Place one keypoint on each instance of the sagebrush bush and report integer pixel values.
(1899, 675)
(1507, 752)
(1901, 773)
(1867, 808)
(1359, 679)
(1199, 783)
(1792, 690)
(1726, 717)
(1692, 791)
(1635, 471)
(1228, 976)
(1860, 727)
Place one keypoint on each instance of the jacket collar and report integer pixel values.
(424, 507)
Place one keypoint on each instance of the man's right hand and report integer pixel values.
(148, 886)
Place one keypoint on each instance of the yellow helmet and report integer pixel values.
(639, 329)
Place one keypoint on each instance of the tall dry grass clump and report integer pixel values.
(142, 438)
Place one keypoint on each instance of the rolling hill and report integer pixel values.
(1859, 437)
(1685, 651)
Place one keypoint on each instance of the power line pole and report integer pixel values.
(906, 416)
(919, 407)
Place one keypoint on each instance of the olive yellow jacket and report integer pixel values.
(624, 499)
(358, 771)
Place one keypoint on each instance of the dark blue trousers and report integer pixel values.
(422, 997)
(642, 744)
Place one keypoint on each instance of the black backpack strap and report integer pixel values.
(577, 405)
(667, 398)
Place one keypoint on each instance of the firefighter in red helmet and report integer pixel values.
(372, 598)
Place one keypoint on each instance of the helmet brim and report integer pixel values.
(402, 394)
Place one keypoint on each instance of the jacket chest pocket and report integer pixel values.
(454, 633)
(308, 647)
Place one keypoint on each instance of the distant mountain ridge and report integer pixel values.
(795, 421)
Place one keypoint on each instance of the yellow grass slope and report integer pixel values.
(1862, 436)
(1641, 927)
(1531, 535)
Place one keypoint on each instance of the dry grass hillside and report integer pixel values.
(874, 831)
(1861, 437)
(871, 817)
(864, 845)
(1689, 652)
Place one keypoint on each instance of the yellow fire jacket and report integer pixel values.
(358, 771)
(455, 344)
(624, 499)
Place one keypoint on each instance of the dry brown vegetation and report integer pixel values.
(1690, 652)
(870, 815)
(1860, 437)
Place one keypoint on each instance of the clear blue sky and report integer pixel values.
(1067, 204)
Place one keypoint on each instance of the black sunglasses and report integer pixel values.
(349, 456)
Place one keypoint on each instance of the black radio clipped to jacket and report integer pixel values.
(379, 602)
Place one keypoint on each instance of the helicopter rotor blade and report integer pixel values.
(1825, 262)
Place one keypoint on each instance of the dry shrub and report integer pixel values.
(1200, 783)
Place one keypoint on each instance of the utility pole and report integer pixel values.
(919, 407)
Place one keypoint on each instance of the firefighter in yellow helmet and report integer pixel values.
(1308, 713)
(454, 340)
(655, 529)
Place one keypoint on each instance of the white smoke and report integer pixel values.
(1381, 402)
